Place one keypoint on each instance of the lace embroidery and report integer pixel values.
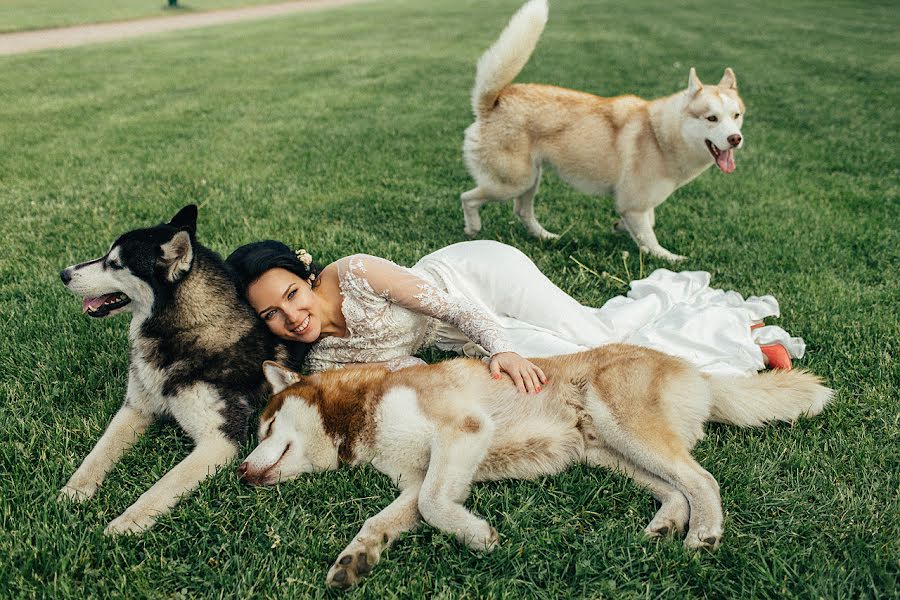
(476, 324)
(396, 317)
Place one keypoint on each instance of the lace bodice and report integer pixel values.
(391, 312)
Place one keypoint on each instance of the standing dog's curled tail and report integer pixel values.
(771, 396)
(507, 56)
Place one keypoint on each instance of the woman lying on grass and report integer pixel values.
(484, 298)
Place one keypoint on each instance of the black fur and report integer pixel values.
(189, 318)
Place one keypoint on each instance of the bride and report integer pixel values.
(486, 299)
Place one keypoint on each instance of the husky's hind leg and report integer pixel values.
(472, 201)
(123, 431)
(456, 453)
(674, 510)
(377, 533)
(666, 457)
(654, 445)
(524, 207)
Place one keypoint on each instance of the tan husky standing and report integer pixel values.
(434, 429)
(637, 150)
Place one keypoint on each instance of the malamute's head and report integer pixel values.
(139, 265)
(714, 115)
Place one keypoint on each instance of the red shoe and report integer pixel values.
(775, 355)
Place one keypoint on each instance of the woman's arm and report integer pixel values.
(407, 289)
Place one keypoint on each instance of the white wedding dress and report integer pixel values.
(483, 297)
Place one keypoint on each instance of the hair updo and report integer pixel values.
(250, 261)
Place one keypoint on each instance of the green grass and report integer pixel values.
(341, 132)
(19, 15)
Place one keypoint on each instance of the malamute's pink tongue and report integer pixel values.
(94, 303)
(725, 161)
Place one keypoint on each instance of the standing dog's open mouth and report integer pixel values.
(103, 306)
(724, 158)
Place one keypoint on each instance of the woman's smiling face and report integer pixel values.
(287, 304)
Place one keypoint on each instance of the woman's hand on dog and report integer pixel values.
(527, 376)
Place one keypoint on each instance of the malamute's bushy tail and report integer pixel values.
(771, 396)
(507, 56)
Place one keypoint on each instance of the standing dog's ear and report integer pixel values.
(729, 81)
(279, 377)
(694, 84)
(177, 255)
(186, 219)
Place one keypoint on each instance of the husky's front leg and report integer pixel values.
(640, 225)
(203, 461)
(456, 454)
(377, 533)
(123, 431)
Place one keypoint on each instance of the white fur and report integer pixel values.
(639, 151)
(403, 438)
(507, 56)
(619, 406)
(196, 409)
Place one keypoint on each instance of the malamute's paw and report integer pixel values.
(129, 523)
(471, 231)
(71, 493)
(701, 538)
(353, 565)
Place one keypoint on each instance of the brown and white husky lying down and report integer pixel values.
(434, 429)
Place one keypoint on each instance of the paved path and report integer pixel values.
(80, 35)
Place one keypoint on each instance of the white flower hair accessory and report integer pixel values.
(306, 258)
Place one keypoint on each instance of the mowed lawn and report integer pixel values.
(341, 132)
(19, 15)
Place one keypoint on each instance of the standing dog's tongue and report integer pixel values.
(725, 160)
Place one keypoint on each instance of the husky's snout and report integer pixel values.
(66, 276)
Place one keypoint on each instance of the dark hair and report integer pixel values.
(250, 261)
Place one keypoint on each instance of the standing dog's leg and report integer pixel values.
(640, 225)
(210, 453)
(377, 533)
(524, 207)
(123, 431)
(472, 201)
(455, 457)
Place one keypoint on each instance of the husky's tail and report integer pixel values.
(502, 62)
(770, 396)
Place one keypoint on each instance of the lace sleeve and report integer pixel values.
(405, 288)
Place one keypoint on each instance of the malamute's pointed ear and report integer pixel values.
(694, 84)
(186, 219)
(729, 81)
(177, 255)
(279, 377)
